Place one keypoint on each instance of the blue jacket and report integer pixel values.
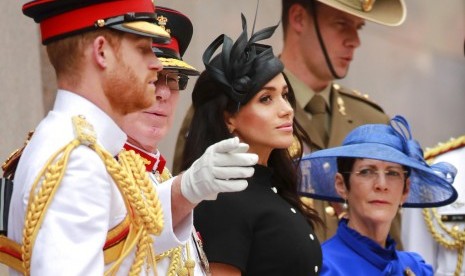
(349, 253)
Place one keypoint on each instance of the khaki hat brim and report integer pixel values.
(180, 65)
(145, 28)
(385, 12)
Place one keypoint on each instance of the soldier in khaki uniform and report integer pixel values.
(320, 38)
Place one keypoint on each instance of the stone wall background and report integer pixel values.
(416, 70)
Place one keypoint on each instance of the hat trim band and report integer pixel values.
(173, 45)
(87, 16)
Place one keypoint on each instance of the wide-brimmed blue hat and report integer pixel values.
(430, 186)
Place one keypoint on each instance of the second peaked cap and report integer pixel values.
(180, 28)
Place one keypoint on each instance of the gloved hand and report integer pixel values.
(222, 168)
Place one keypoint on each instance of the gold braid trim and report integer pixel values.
(143, 203)
(141, 193)
(52, 174)
(176, 266)
(175, 261)
(138, 193)
(441, 148)
(456, 238)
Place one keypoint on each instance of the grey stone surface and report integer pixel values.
(416, 70)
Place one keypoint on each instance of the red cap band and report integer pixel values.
(87, 16)
(173, 45)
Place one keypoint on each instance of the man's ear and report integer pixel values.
(340, 186)
(100, 48)
(297, 15)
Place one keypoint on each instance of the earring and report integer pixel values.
(345, 206)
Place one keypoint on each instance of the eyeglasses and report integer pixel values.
(174, 80)
(391, 175)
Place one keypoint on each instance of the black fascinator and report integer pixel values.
(244, 66)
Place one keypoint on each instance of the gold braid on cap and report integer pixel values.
(129, 175)
(167, 62)
(452, 238)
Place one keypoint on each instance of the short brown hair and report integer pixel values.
(286, 6)
(66, 54)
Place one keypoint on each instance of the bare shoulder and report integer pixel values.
(356, 96)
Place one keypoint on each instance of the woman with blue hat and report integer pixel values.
(377, 170)
(265, 229)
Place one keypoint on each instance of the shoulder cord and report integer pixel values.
(456, 237)
(138, 193)
(444, 147)
(176, 266)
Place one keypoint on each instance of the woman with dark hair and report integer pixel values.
(377, 170)
(265, 229)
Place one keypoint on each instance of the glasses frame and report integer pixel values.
(376, 174)
(181, 80)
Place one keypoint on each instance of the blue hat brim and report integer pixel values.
(428, 188)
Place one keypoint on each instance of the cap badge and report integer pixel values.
(162, 21)
(367, 5)
(363, 5)
(100, 23)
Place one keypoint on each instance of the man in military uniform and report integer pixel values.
(320, 37)
(80, 205)
(146, 129)
(438, 234)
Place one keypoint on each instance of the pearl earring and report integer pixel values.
(345, 205)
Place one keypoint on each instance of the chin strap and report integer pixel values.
(322, 44)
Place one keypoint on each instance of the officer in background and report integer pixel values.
(147, 128)
(438, 234)
(320, 39)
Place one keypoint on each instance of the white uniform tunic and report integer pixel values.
(415, 234)
(87, 203)
(194, 254)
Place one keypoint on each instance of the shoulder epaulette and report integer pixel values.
(10, 164)
(440, 148)
(356, 95)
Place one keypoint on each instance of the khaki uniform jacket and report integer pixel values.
(348, 110)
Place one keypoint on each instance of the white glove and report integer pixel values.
(222, 168)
